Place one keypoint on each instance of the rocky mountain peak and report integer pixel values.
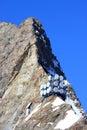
(42, 43)
(34, 92)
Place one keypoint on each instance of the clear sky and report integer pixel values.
(65, 22)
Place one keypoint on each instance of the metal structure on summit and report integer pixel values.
(55, 86)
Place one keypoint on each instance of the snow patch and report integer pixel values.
(67, 122)
(56, 103)
(71, 102)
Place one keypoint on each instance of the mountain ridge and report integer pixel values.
(25, 64)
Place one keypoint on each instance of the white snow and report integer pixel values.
(56, 103)
(68, 121)
(71, 102)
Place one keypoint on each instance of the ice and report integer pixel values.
(68, 121)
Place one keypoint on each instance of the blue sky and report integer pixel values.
(65, 23)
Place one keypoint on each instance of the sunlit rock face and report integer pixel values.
(26, 63)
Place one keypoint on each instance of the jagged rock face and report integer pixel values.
(17, 44)
(26, 60)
